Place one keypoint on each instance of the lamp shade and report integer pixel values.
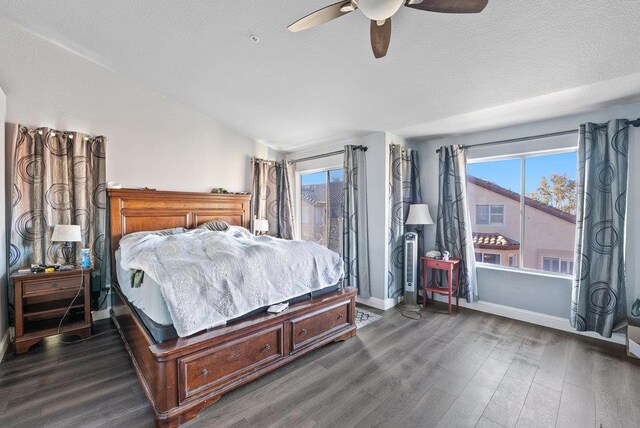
(66, 233)
(419, 214)
(260, 225)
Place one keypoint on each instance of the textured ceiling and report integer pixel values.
(322, 85)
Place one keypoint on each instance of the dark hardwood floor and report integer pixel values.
(465, 370)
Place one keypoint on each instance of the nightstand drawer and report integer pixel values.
(438, 264)
(46, 286)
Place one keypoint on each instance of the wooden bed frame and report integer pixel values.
(181, 377)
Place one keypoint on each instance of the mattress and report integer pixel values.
(152, 310)
(148, 297)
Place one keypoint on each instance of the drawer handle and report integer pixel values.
(303, 331)
(267, 347)
(204, 372)
(340, 316)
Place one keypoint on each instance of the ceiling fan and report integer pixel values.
(380, 13)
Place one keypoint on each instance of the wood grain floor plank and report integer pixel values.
(540, 408)
(553, 364)
(615, 400)
(506, 404)
(467, 410)
(582, 363)
(427, 411)
(577, 408)
(487, 423)
(347, 412)
(507, 348)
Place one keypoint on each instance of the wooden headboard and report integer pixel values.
(133, 210)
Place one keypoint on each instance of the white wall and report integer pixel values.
(151, 140)
(541, 293)
(377, 159)
(3, 243)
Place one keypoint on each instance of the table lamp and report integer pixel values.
(419, 215)
(67, 233)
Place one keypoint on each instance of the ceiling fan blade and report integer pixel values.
(450, 6)
(380, 37)
(320, 16)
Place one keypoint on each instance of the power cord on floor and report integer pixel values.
(106, 294)
(67, 311)
(405, 314)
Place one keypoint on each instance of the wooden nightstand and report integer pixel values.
(452, 268)
(41, 300)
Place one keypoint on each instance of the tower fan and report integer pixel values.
(410, 303)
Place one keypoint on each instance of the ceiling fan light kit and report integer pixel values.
(380, 12)
(348, 7)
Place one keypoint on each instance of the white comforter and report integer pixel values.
(208, 278)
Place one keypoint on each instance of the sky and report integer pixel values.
(506, 173)
(321, 177)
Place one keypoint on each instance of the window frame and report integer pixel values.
(490, 214)
(482, 254)
(570, 264)
(298, 196)
(522, 157)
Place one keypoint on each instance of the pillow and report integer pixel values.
(173, 231)
(215, 225)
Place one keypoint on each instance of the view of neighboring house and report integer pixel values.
(495, 216)
(314, 213)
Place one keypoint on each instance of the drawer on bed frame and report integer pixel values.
(211, 369)
(308, 329)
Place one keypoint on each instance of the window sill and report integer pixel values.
(523, 271)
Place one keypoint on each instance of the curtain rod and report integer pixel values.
(324, 155)
(635, 123)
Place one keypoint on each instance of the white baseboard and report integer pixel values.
(102, 314)
(4, 344)
(377, 303)
(533, 318)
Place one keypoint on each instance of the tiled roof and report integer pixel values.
(527, 200)
(494, 241)
(317, 193)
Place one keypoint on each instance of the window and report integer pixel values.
(491, 258)
(489, 214)
(525, 228)
(319, 215)
(566, 266)
(555, 264)
(321, 207)
(550, 264)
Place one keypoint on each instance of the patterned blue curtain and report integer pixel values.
(355, 240)
(453, 232)
(272, 196)
(598, 301)
(58, 177)
(404, 190)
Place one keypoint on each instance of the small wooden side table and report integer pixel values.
(452, 267)
(41, 299)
